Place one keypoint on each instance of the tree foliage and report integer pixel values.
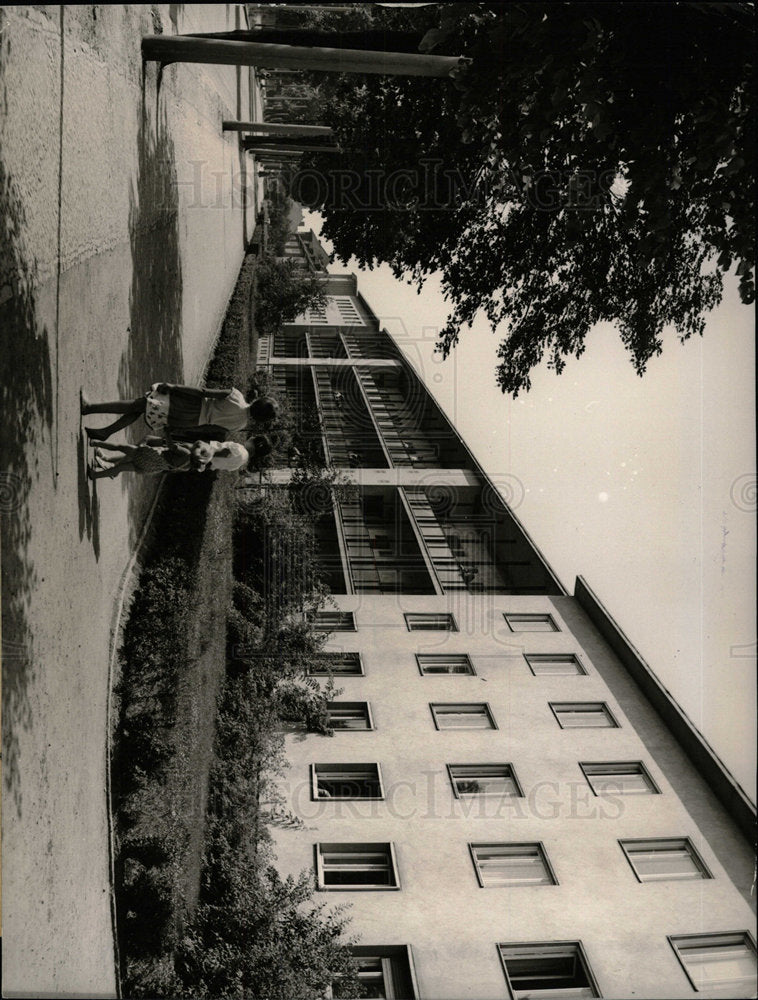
(284, 291)
(588, 162)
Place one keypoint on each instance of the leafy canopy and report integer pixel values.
(588, 162)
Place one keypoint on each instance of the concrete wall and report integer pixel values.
(452, 924)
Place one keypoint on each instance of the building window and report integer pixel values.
(335, 621)
(484, 779)
(619, 779)
(336, 663)
(557, 969)
(499, 865)
(554, 664)
(664, 860)
(433, 663)
(346, 781)
(356, 866)
(347, 310)
(458, 715)
(316, 315)
(349, 715)
(383, 971)
(583, 715)
(531, 623)
(437, 622)
(723, 964)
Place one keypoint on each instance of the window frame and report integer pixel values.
(368, 846)
(471, 672)
(433, 705)
(533, 615)
(673, 940)
(319, 627)
(465, 795)
(548, 945)
(705, 872)
(401, 980)
(556, 706)
(360, 672)
(652, 784)
(409, 615)
(315, 797)
(473, 845)
(582, 671)
(368, 716)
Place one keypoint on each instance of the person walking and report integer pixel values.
(207, 414)
(146, 459)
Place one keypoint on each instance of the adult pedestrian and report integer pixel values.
(206, 414)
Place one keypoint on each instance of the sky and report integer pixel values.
(644, 486)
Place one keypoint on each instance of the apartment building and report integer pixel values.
(511, 803)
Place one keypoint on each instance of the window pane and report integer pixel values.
(335, 621)
(484, 779)
(621, 784)
(462, 717)
(418, 622)
(721, 962)
(372, 979)
(665, 859)
(584, 715)
(558, 665)
(430, 663)
(337, 663)
(619, 779)
(383, 970)
(531, 623)
(347, 781)
(357, 865)
(546, 971)
(511, 864)
(348, 715)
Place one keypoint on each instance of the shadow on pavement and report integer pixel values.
(27, 400)
(154, 349)
(89, 508)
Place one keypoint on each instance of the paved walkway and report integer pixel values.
(122, 232)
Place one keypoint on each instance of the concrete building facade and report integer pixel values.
(510, 802)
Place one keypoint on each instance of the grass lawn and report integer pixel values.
(172, 668)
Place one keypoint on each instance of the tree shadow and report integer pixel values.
(27, 400)
(154, 349)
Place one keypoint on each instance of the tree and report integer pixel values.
(590, 162)
(284, 291)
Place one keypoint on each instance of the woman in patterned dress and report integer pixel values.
(195, 414)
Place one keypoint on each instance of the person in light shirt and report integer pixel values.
(227, 456)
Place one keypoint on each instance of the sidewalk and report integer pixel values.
(122, 235)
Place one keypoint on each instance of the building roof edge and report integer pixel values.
(707, 762)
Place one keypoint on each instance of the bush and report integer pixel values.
(264, 937)
(275, 554)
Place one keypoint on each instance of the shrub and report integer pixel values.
(264, 937)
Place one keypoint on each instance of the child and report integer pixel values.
(228, 455)
(148, 459)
